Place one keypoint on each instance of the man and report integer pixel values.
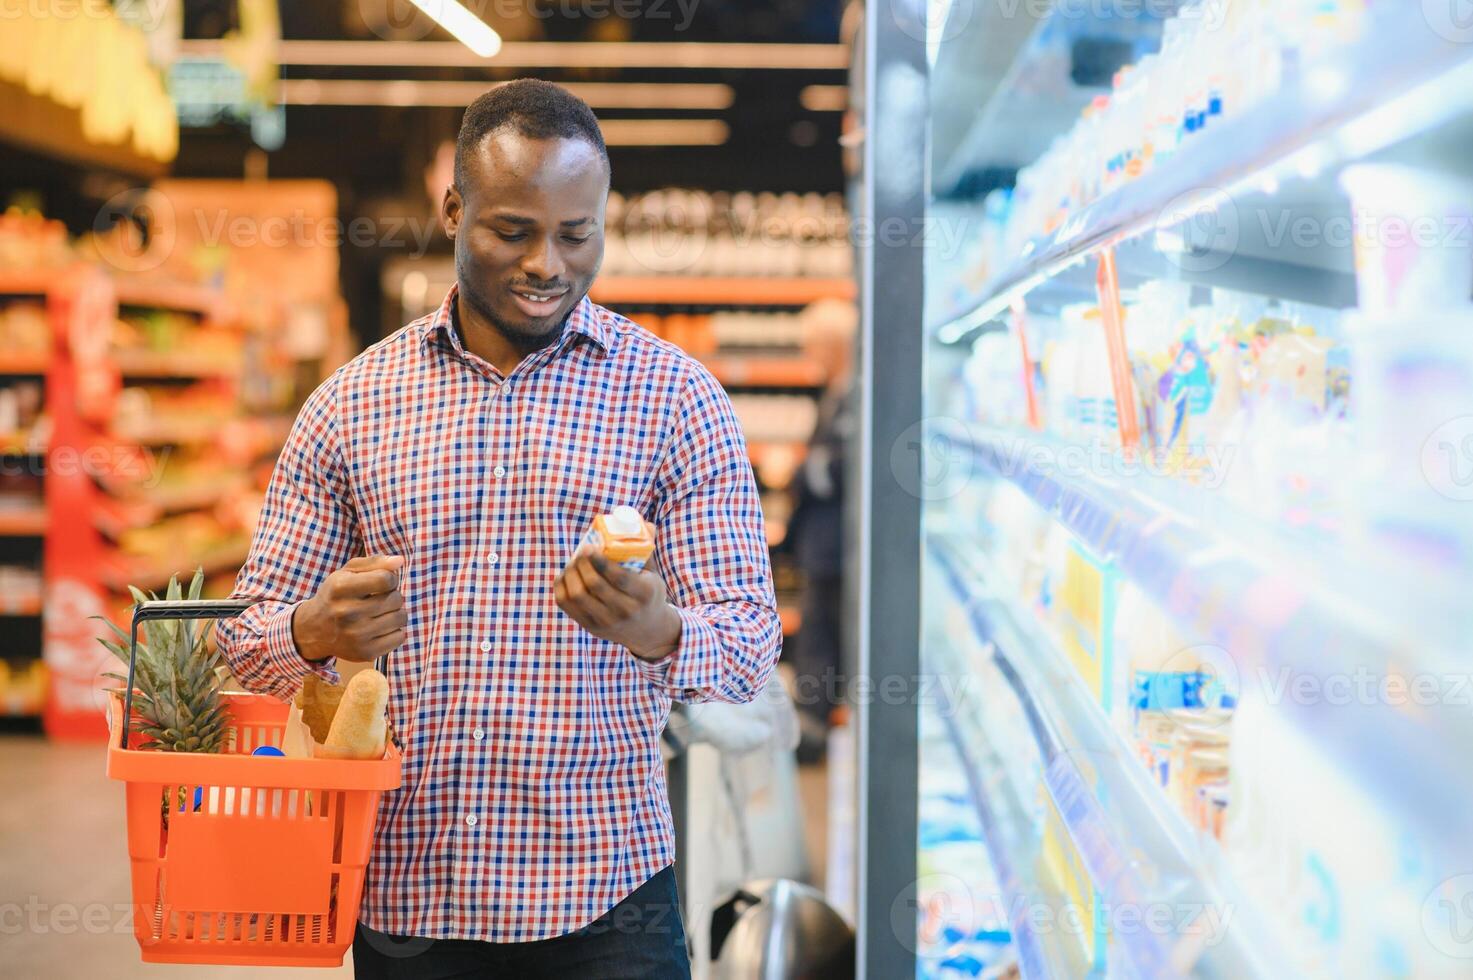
(816, 528)
(423, 510)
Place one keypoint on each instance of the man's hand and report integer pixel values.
(357, 615)
(625, 607)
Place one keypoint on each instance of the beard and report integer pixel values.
(526, 337)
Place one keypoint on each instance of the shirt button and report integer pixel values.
(479, 734)
(499, 472)
(471, 820)
(485, 646)
(493, 558)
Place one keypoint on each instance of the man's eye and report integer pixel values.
(511, 236)
(575, 240)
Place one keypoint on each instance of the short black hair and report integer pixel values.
(538, 109)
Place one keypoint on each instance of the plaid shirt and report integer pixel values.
(534, 793)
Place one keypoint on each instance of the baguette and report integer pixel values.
(360, 728)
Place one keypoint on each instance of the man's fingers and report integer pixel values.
(361, 584)
(373, 606)
(386, 644)
(384, 624)
(367, 563)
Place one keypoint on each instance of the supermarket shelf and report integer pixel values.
(24, 362)
(163, 295)
(170, 432)
(27, 523)
(150, 364)
(1402, 79)
(194, 495)
(1005, 829)
(1273, 604)
(29, 282)
(718, 291)
(767, 372)
(21, 444)
(20, 606)
(153, 575)
(1132, 839)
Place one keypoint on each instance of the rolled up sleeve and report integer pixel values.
(711, 547)
(307, 530)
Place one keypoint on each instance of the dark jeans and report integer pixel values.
(641, 938)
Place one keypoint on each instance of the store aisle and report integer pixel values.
(64, 872)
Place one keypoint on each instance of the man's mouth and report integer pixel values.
(538, 304)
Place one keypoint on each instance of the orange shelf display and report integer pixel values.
(24, 362)
(767, 372)
(20, 605)
(163, 295)
(170, 431)
(27, 523)
(719, 291)
(151, 364)
(153, 575)
(29, 282)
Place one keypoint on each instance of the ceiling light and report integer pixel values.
(549, 54)
(463, 25)
(664, 132)
(406, 92)
(824, 98)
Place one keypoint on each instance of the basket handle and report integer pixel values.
(171, 609)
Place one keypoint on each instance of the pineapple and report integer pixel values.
(176, 704)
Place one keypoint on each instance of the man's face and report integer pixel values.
(529, 231)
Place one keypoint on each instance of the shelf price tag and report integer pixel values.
(1107, 283)
(1020, 327)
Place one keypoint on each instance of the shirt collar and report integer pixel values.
(588, 319)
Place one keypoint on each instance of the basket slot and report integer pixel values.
(337, 830)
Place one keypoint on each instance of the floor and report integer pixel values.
(65, 893)
(64, 884)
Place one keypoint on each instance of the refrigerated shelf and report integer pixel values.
(1138, 847)
(1004, 821)
(1401, 79)
(1273, 605)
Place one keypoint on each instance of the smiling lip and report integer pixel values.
(536, 304)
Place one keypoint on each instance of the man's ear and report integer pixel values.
(451, 210)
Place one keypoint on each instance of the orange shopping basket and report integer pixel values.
(241, 859)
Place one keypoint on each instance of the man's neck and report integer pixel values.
(479, 336)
